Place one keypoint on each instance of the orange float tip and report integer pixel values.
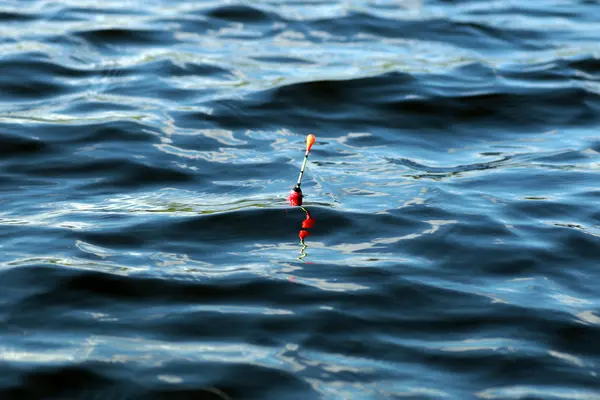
(310, 140)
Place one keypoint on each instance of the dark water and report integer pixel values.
(148, 252)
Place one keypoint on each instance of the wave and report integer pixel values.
(451, 243)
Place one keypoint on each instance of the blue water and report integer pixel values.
(147, 250)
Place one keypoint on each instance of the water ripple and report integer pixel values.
(450, 224)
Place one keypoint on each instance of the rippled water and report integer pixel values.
(147, 250)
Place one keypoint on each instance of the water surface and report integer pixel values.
(147, 250)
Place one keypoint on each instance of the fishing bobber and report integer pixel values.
(295, 196)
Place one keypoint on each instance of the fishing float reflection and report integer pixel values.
(307, 223)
